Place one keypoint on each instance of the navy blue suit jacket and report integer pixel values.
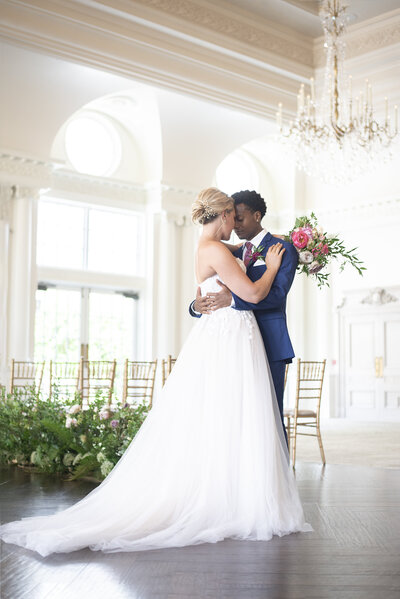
(270, 312)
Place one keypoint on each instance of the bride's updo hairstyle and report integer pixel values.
(209, 204)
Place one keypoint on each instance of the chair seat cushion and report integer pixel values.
(300, 413)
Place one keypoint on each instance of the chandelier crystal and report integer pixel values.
(340, 138)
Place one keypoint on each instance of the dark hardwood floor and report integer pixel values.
(354, 552)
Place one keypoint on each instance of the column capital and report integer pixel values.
(24, 192)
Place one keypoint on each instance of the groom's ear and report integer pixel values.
(257, 216)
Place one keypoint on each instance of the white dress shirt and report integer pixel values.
(256, 241)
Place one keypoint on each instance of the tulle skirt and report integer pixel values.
(209, 462)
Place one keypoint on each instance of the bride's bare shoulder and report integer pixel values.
(212, 246)
(214, 251)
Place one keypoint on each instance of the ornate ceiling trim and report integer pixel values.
(160, 48)
(237, 25)
(369, 36)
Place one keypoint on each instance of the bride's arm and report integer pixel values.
(233, 276)
(232, 248)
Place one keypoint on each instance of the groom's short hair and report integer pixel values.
(252, 200)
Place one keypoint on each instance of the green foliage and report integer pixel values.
(58, 436)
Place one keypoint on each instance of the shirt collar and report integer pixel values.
(256, 241)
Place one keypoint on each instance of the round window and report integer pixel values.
(93, 145)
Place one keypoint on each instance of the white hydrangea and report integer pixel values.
(106, 467)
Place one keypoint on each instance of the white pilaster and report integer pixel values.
(22, 274)
(6, 193)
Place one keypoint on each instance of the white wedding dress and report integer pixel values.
(209, 462)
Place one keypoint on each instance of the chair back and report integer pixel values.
(138, 385)
(166, 367)
(26, 374)
(310, 378)
(96, 376)
(64, 377)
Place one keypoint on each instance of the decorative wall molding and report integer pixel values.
(6, 195)
(366, 37)
(362, 300)
(244, 27)
(23, 172)
(389, 205)
(379, 297)
(134, 39)
(200, 47)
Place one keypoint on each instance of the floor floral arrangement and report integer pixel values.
(59, 436)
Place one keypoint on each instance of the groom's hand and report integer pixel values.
(222, 299)
(202, 304)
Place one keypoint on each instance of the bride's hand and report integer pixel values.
(274, 256)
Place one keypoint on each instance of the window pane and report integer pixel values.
(115, 242)
(112, 330)
(57, 325)
(60, 235)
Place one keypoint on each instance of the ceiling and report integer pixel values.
(302, 15)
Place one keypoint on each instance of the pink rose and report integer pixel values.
(320, 249)
(299, 239)
(308, 231)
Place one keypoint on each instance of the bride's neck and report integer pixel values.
(211, 233)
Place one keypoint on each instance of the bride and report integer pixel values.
(210, 461)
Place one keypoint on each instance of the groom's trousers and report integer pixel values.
(278, 376)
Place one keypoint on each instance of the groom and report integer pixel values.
(270, 312)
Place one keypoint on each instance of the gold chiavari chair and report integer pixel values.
(138, 385)
(286, 375)
(65, 377)
(96, 376)
(26, 374)
(310, 378)
(166, 367)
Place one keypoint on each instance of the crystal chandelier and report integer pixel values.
(338, 139)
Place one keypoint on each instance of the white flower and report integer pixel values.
(105, 413)
(74, 409)
(315, 267)
(82, 438)
(305, 257)
(100, 457)
(106, 467)
(70, 422)
(77, 459)
(68, 459)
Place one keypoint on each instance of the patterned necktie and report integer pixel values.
(248, 253)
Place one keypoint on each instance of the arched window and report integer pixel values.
(93, 145)
(236, 172)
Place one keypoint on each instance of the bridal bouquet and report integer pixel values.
(316, 249)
